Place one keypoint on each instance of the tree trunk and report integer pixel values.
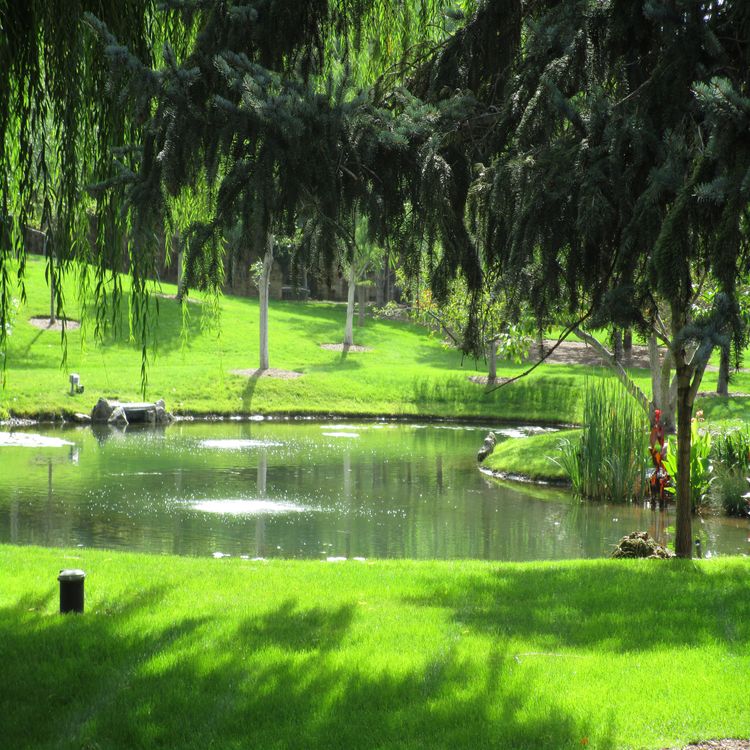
(348, 330)
(361, 305)
(683, 543)
(617, 344)
(52, 316)
(180, 266)
(627, 343)
(656, 372)
(492, 373)
(722, 387)
(663, 386)
(668, 394)
(265, 279)
(51, 267)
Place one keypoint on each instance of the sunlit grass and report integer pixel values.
(531, 457)
(408, 371)
(188, 653)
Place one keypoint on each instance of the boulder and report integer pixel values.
(640, 544)
(102, 411)
(114, 412)
(118, 417)
(487, 447)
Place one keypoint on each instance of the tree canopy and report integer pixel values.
(587, 156)
(617, 174)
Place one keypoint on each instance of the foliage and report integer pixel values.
(611, 173)
(513, 340)
(700, 465)
(184, 77)
(730, 458)
(59, 128)
(731, 448)
(728, 492)
(608, 461)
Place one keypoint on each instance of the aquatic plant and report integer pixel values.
(730, 460)
(700, 465)
(608, 462)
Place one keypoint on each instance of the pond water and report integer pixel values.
(303, 489)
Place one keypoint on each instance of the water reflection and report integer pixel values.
(304, 490)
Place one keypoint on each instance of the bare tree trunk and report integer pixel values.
(52, 316)
(668, 396)
(348, 330)
(492, 373)
(722, 387)
(361, 305)
(617, 344)
(51, 268)
(265, 279)
(690, 367)
(627, 343)
(656, 372)
(663, 386)
(180, 264)
(683, 543)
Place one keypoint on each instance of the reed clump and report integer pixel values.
(609, 460)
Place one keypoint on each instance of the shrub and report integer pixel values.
(730, 454)
(728, 489)
(731, 449)
(700, 465)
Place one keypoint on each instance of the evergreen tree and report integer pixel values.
(616, 168)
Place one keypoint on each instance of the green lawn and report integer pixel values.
(530, 457)
(407, 372)
(195, 653)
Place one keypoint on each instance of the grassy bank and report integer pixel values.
(529, 457)
(198, 368)
(177, 652)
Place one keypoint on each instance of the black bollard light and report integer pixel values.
(71, 590)
(698, 548)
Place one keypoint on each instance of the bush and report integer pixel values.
(730, 454)
(731, 450)
(728, 488)
(700, 464)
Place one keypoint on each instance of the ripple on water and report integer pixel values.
(239, 444)
(341, 434)
(30, 440)
(248, 507)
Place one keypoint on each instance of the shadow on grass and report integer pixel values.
(642, 605)
(166, 329)
(528, 397)
(294, 629)
(115, 678)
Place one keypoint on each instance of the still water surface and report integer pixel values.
(302, 489)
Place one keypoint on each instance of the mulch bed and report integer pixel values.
(484, 380)
(271, 372)
(43, 322)
(344, 348)
(579, 353)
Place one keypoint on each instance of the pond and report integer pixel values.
(303, 489)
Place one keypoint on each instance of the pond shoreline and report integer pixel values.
(509, 476)
(66, 418)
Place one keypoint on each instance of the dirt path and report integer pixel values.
(578, 353)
